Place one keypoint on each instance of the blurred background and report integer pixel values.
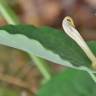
(17, 66)
(52, 12)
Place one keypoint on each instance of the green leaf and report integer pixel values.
(45, 42)
(70, 83)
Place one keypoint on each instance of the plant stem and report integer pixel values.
(11, 18)
(8, 14)
(43, 67)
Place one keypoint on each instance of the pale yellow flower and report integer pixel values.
(70, 30)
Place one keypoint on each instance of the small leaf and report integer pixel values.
(70, 83)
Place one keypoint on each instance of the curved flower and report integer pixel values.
(69, 28)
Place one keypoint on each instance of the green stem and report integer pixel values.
(43, 67)
(11, 18)
(8, 14)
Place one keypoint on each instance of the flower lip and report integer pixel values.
(69, 20)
